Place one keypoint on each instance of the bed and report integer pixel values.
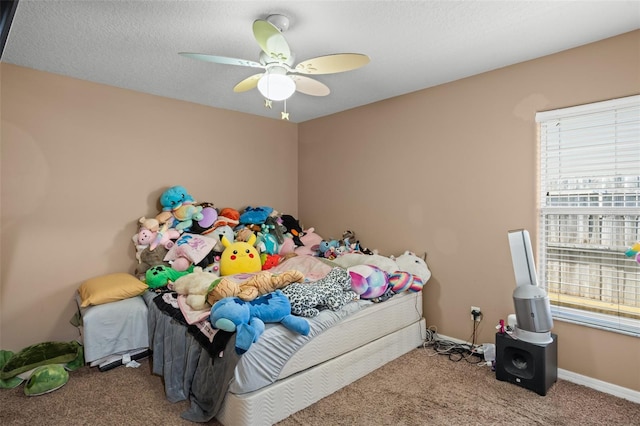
(283, 372)
(114, 331)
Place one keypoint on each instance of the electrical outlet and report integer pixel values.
(476, 313)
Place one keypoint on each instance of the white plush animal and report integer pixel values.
(196, 287)
(407, 272)
(410, 262)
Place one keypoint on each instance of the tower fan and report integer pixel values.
(533, 310)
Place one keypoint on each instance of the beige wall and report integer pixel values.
(449, 170)
(81, 162)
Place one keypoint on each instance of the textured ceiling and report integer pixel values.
(412, 44)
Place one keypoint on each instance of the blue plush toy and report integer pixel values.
(248, 319)
(255, 215)
(174, 197)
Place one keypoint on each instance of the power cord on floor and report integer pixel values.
(455, 351)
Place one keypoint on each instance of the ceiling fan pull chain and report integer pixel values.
(285, 114)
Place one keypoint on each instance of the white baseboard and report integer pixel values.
(599, 385)
(579, 379)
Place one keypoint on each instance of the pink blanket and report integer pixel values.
(312, 267)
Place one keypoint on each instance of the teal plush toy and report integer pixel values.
(248, 319)
(174, 197)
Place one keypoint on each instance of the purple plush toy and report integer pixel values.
(368, 281)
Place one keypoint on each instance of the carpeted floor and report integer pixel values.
(418, 388)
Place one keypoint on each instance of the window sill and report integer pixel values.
(615, 324)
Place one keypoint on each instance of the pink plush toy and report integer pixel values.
(311, 246)
(164, 237)
(146, 236)
(311, 242)
(181, 263)
(287, 246)
(368, 281)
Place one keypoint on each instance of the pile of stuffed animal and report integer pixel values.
(186, 234)
(220, 259)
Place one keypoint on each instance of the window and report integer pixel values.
(589, 207)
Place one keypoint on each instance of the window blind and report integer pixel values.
(589, 211)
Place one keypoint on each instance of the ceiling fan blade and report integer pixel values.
(271, 40)
(248, 83)
(330, 64)
(222, 60)
(309, 86)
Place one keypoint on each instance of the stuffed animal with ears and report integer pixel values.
(243, 234)
(195, 286)
(328, 248)
(164, 237)
(152, 224)
(174, 197)
(144, 237)
(182, 205)
(412, 274)
(248, 319)
(239, 257)
(146, 241)
(333, 291)
(166, 217)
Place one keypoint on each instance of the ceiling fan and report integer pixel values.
(281, 78)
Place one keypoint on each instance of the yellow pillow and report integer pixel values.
(110, 288)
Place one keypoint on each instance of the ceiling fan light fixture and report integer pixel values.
(281, 22)
(276, 59)
(276, 85)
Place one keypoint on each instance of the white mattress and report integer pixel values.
(112, 328)
(283, 398)
(357, 330)
(262, 365)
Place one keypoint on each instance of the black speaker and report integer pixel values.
(525, 364)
